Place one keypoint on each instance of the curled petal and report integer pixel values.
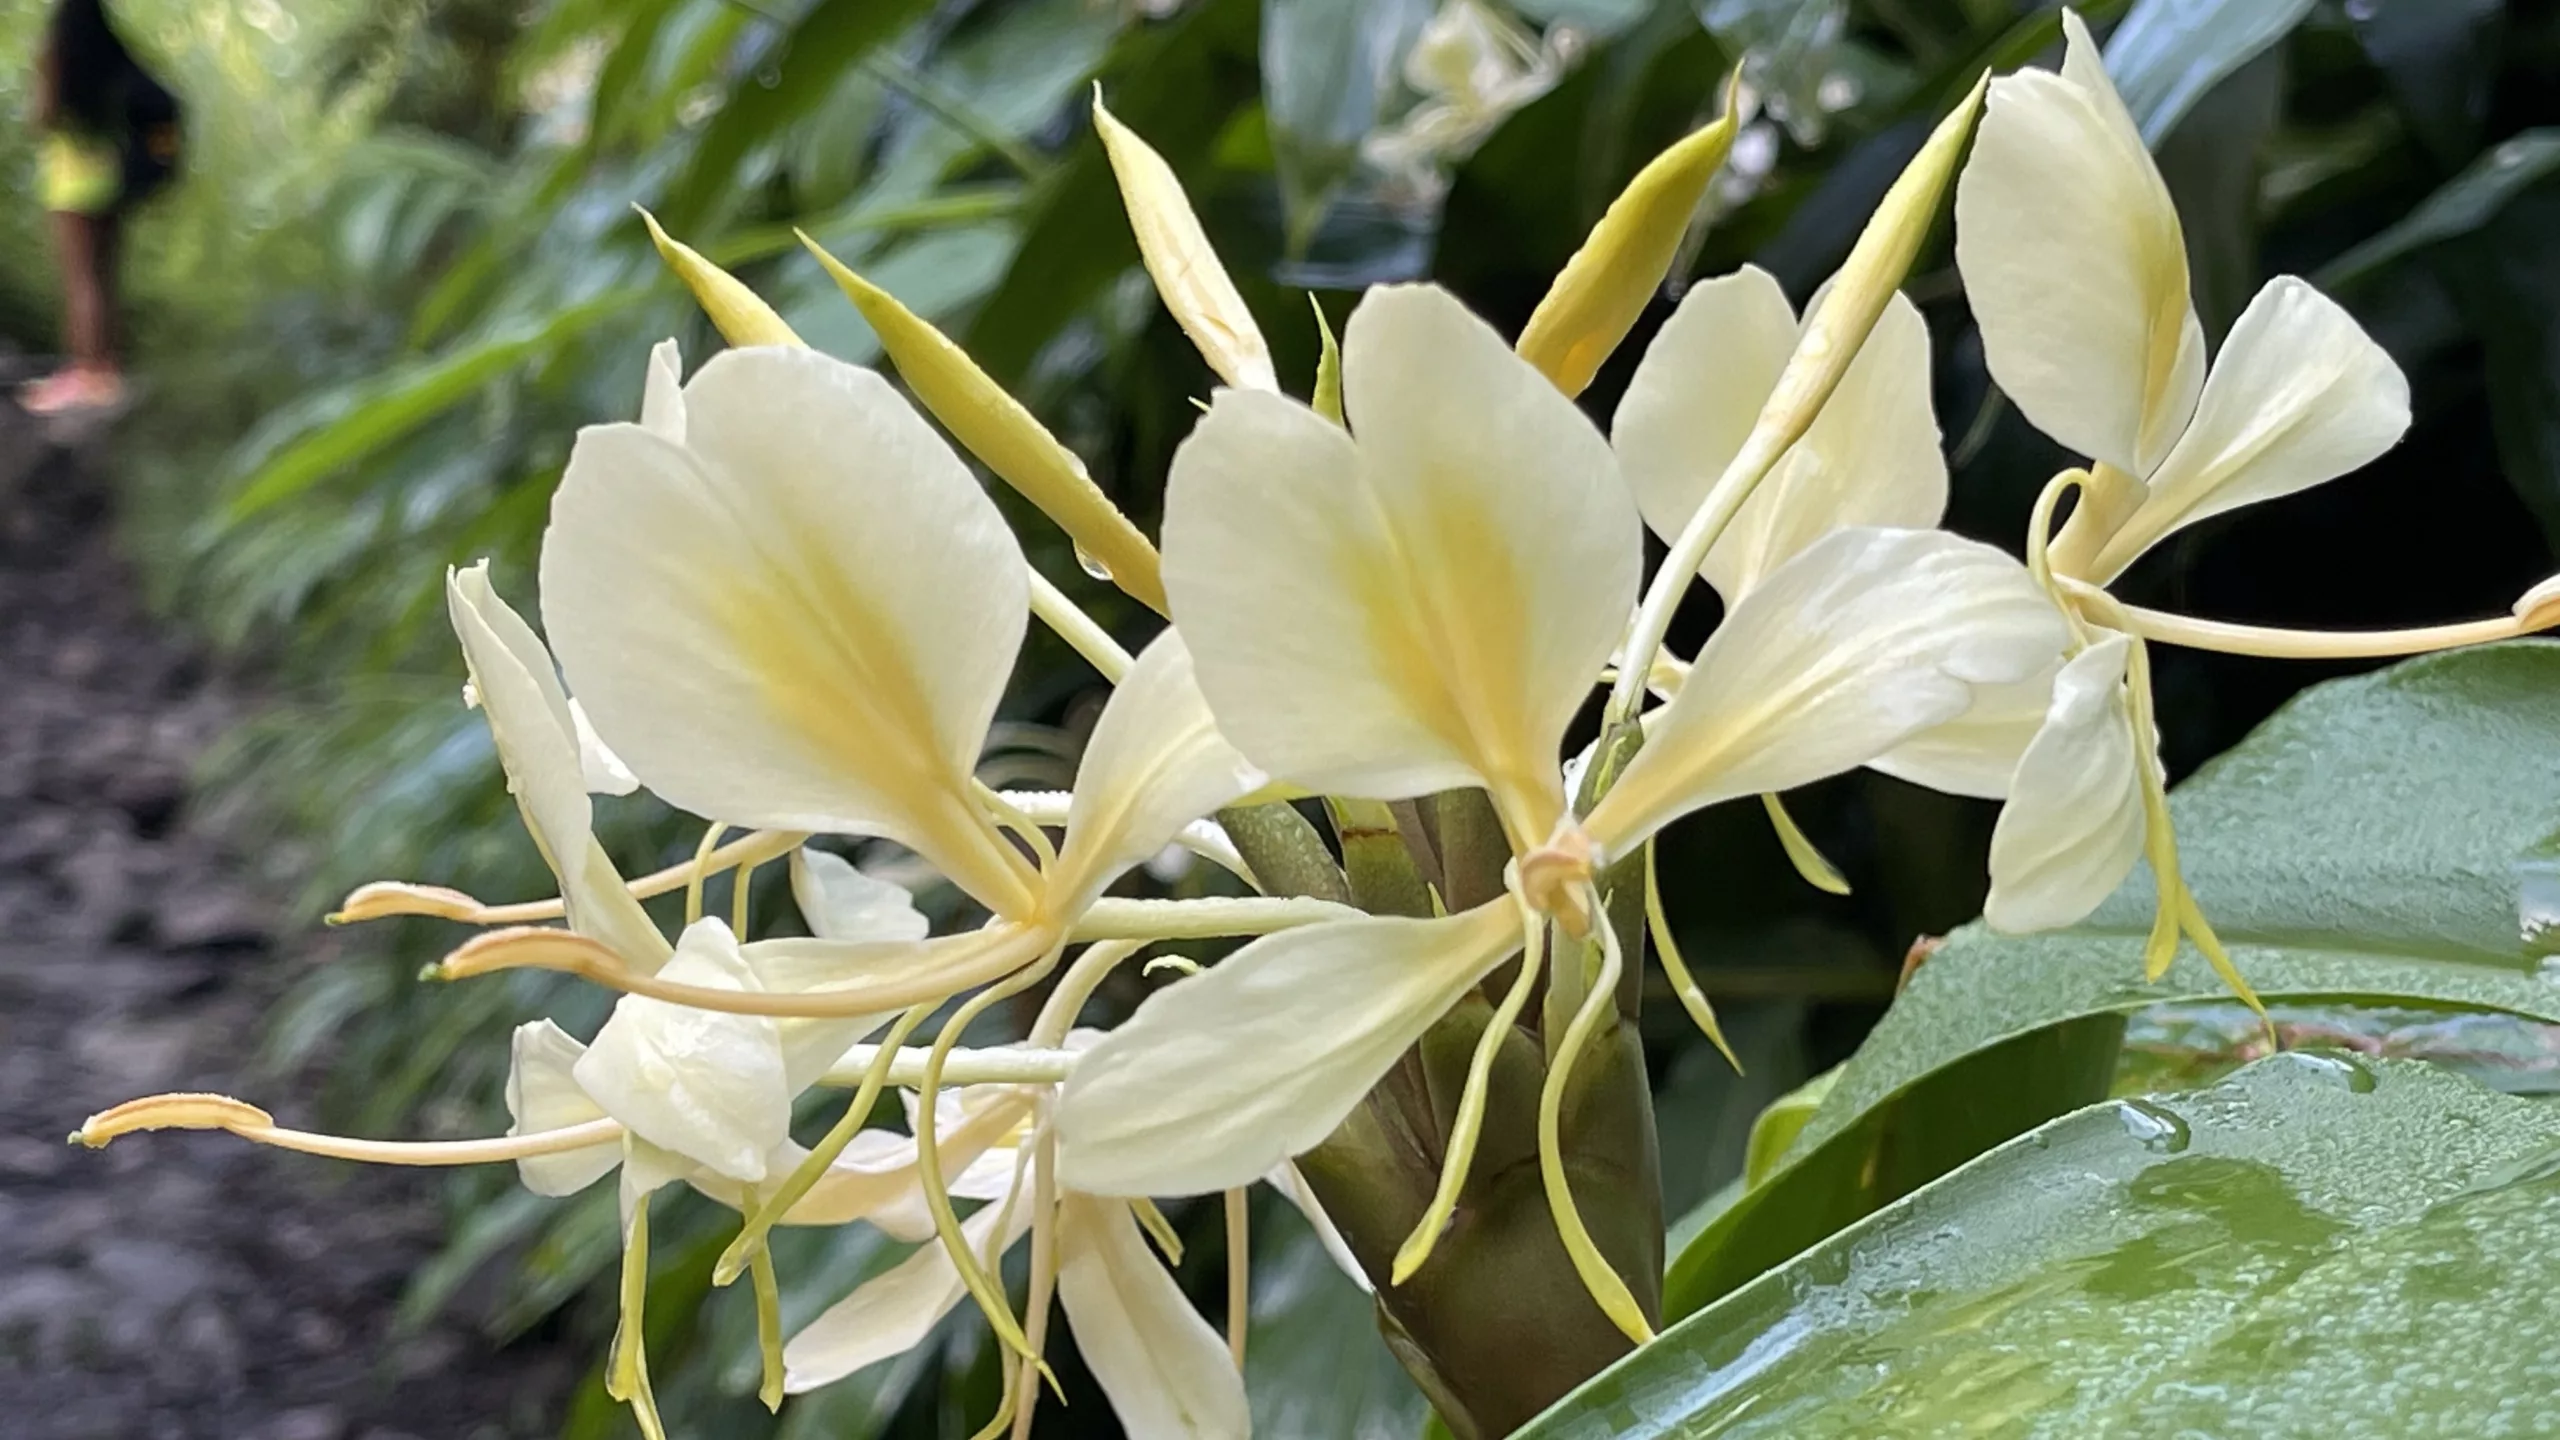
(2300, 395)
(538, 738)
(808, 610)
(1866, 639)
(1220, 1077)
(839, 902)
(1156, 763)
(2073, 826)
(705, 1085)
(1418, 610)
(543, 1094)
(2076, 267)
(1168, 1374)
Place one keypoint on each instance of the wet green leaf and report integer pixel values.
(2467, 202)
(2168, 53)
(2314, 1246)
(2362, 844)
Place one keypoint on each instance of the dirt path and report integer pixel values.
(172, 1286)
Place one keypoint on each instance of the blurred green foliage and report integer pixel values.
(404, 270)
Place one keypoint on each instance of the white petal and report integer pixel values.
(2300, 395)
(662, 401)
(1168, 1374)
(2075, 266)
(603, 771)
(1220, 1077)
(1294, 1187)
(536, 730)
(1870, 458)
(1977, 752)
(543, 1095)
(2073, 826)
(802, 618)
(706, 1085)
(1423, 609)
(1863, 641)
(839, 902)
(892, 1312)
(1155, 764)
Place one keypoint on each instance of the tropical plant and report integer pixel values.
(2369, 846)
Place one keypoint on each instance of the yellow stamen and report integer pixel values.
(385, 898)
(2281, 644)
(1607, 1290)
(937, 1197)
(626, 1374)
(1469, 1122)
(1005, 947)
(199, 1111)
(1024, 1394)
(1810, 862)
(1213, 917)
(1159, 1229)
(750, 1244)
(1683, 986)
(741, 889)
(701, 870)
(1067, 999)
(1239, 1272)
(769, 1330)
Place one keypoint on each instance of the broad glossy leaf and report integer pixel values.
(2361, 845)
(2464, 204)
(2168, 53)
(2314, 1246)
(1314, 1363)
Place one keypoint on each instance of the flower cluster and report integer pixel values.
(785, 604)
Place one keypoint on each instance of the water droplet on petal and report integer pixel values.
(1091, 566)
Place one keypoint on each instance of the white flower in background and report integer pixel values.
(1475, 560)
(1473, 68)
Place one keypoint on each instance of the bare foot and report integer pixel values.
(68, 391)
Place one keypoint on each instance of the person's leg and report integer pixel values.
(84, 248)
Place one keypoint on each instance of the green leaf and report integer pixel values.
(1314, 1363)
(802, 70)
(2361, 845)
(2467, 202)
(2502, 281)
(2316, 1245)
(299, 448)
(2168, 53)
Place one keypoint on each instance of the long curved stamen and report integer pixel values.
(937, 1198)
(1024, 1394)
(1081, 632)
(701, 870)
(1045, 853)
(198, 1111)
(1810, 862)
(1167, 1240)
(1468, 1125)
(768, 1288)
(2178, 911)
(1214, 917)
(1066, 1000)
(1685, 988)
(1239, 1272)
(1608, 1291)
(750, 1244)
(383, 899)
(1007, 948)
(2225, 637)
(626, 1371)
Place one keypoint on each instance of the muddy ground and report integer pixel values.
(176, 1285)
